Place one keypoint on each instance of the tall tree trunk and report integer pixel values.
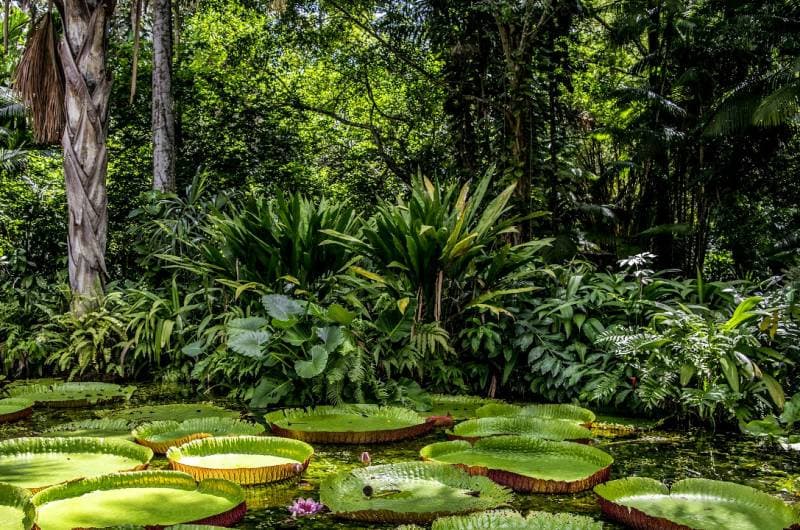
(88, 85)
(163, 105)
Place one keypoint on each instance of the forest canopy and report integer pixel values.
(534, 189)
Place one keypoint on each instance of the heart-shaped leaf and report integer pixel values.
(314, 367)
(249, 343)
(245, 324)
(281, 307)
(332, 336)
(194, 349)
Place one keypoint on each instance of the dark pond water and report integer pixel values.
(664, 455)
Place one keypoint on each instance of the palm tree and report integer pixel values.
(762, 101)
(66, 83)
(163, 105)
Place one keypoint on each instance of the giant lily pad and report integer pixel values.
(16, 508)
(36, 463)
(546, 429)
(527, 464)
(349, 424)
(243, 459)
(145, 498)
(459, 407)
(508, 520)
(104, 428)
(161, 435)
(172, 412)
(619, 427)
(409, 492)
(693, 503)
(66, 395)
(546, 411)
(13, 409)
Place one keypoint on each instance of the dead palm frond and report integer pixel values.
(40, 82)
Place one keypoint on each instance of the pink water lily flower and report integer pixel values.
(302, 507)
(365, 458)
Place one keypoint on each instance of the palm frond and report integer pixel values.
(40, 82)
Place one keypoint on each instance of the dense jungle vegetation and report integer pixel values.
(305, 202)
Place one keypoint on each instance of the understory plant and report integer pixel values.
(447, 254)
(694, 362)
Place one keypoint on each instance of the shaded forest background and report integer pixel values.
(559, 200)
(630, 125)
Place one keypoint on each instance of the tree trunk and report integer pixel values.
(88, 86)
(163, 105)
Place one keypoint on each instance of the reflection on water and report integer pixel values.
(662, 455)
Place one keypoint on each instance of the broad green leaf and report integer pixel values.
(332, 336)
(340, 315)
(194, 349)
(769, 426)
(314, 367)
(402, 305)
(687, 372)
(775, 390)
(743, 313)
(269, 392)
(731, 373)
(367, 274)
(249, 343)
(246, 324)
(281, 307)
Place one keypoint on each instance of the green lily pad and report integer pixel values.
(547, 411)
(104, 428)
(409, 492)
(144, 498)
(509, 520)
(459, 407)
(245, 460)
(161, 435)
(13, 409)
(617, 426)
(174, 527)
(527, 464)
(545, 429)
(173, 412)
(66, 395)
(35, 381)
(16, 509)
(36, 463)
(348, 424)
(693, 503)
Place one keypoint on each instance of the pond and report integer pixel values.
(665, 455)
